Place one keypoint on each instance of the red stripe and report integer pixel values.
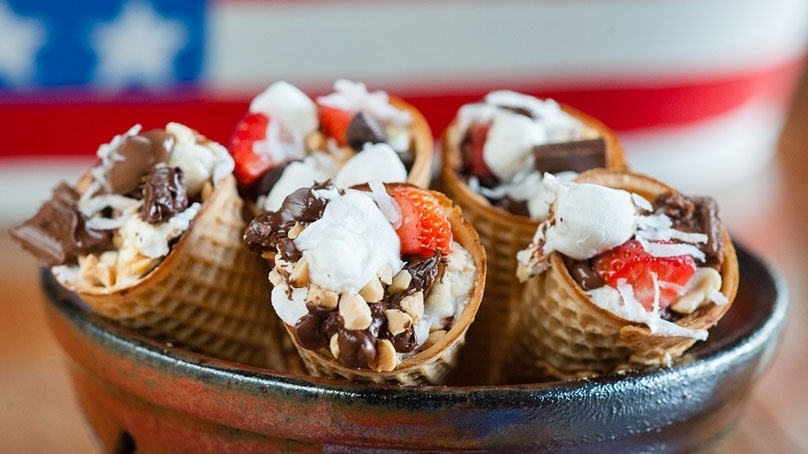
(76, 124)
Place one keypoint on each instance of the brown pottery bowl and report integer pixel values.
(142, 396)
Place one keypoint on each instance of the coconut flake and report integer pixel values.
(671, 249)
(386, 203)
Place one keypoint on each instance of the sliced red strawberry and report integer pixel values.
(473, 152)
(250, 165)
(631, 262)
(334, 122)
(424, 229)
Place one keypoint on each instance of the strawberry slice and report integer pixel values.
(424, 228)
(250, 165)
(631, 262)
(334, 122)
(473, 153)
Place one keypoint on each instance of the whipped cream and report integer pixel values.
(349, 244)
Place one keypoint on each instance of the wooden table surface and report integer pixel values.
(38, 413)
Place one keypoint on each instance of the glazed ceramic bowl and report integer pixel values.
(141, 396)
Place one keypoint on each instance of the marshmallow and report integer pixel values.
(285, 103)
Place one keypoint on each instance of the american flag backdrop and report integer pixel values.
(685, 83)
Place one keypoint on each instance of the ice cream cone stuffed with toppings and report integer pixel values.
(379, 282)
(494, 154)
(625, 272)
(151, 238)
(288, 140)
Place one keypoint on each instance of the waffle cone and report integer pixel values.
(432, 365)
(503, 234)
(208, 295)
(420, 173)
(563, 334)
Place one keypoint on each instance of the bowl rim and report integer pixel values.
(151, 352)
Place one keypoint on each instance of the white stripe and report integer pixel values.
(704, 157)
(447, 44)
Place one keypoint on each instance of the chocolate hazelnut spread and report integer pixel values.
(138, 154)
(57, 233)
(164, 194)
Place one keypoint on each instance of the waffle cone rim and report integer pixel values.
(420, 173)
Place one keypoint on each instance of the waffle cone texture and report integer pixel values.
(564, 335)
(423, 143)
(208, 295)
(503, 234)
(432, 365)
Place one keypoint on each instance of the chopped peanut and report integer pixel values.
(386, 359)
(372, 292)
(413, 305)
(322, 297)
(295, 230)
(397, 321)
(300, 273)
(401, 281)
(354, 311)
(333, 345)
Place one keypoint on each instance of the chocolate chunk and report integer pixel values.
(577, 156)
(364, 129)
(695, 214)
(268, 180)
(139, 153)
(58, 233)
(407, 158)
(267, 231)
(583, 274)
(164, 194)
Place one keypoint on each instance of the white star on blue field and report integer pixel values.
(114, 44)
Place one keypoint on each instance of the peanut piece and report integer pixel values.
(401, 281)
(275, 277)
(333, 345)
(322, 297)
(386, 359)
(206, 191)
(397, 321)
(354, 311)
(414, 305)
(300, 273)
(385, 274)
(372, 292)
(295, 230)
